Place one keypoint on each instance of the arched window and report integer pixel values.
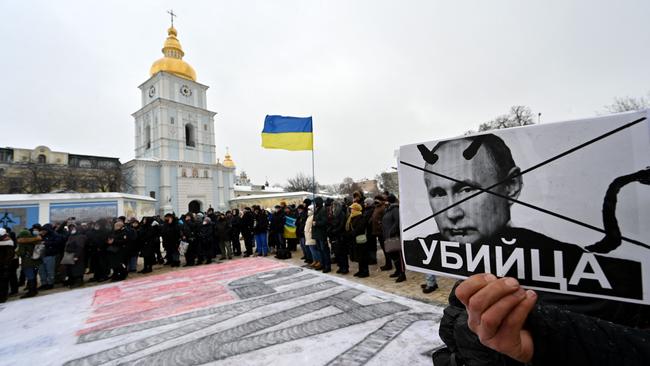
(147, 136)
(42, 159)
(190, 135)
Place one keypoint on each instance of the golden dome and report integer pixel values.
(173, 61)
(227, 161)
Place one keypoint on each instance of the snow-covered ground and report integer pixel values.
(243, 312)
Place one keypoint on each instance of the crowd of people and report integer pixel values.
(327, 232)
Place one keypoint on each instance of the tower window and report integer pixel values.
(190, 138)
(171, 120)
(42, 159)
(147, 136)
(152, 194)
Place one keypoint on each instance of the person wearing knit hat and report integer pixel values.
(355, 229)
(30, 261)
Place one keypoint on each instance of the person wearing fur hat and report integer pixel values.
(7, 255)
(30, 261)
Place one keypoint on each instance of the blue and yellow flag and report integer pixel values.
(288, 133)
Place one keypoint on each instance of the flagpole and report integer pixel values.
(313, 174)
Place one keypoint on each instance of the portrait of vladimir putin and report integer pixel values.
(473, 163)
(471, 185)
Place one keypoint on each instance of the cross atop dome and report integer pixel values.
(172, 62)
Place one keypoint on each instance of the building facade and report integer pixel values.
(175, 153)
(41, 170)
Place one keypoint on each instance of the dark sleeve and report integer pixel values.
(360, 226)
(320, 219)
(566, 338)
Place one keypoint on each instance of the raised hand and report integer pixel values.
(497, 310)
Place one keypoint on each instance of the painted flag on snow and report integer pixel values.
(288, 133)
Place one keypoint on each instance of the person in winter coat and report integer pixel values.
(289, 233)
(247, 225)
(260, 230)
(150, 239)
(319, 233)
(276, 229)
(310, 242)
(75, 246)
(355, 229)
(133, 245)
(517, 327)
(7, 255)
(235, 230)
(378, 230)
(222, 231)
(96, 244)
(205, 234)
(371, 244)
(54, 244)
(390, 225)
(116, 246)
(30, 262)
(15, 264)
(171, 237)
(341, 240)
(301, 221)
(189, 234)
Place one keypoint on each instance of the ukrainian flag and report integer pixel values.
(288, 133)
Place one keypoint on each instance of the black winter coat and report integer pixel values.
(277, 223)
(247, 223)
(54, 244)
(171, 234)
(261, 223)
(561, 337)
(222, 230)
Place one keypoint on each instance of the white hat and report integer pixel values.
(3, 232)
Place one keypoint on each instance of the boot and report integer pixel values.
(316, 265)
(32, 290)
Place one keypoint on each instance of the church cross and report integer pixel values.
(171, 13)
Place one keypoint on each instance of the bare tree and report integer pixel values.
(42, 178)
(627, 104)
(388, 181)
(300, 183)
(108, 180)
(348, 186)
(519, 115)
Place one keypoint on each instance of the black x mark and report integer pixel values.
(545, 162)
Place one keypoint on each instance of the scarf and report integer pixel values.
(355, 211)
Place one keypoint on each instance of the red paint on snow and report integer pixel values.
(171, 293)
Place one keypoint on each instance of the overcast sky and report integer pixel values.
(373, 74)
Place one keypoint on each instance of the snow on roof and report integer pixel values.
(277, 195)
(71, 196)
(250, 189)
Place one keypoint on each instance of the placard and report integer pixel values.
(563, 207)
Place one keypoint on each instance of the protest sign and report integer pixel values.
(563, 207)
